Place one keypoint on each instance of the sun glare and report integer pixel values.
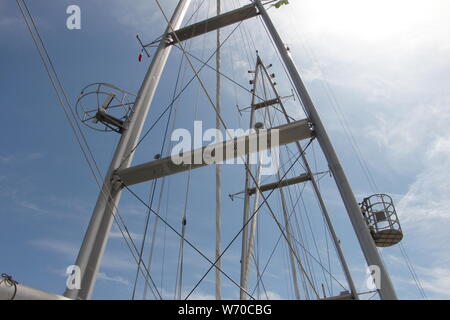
(369, 19)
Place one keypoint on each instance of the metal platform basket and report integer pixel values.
(382, 220)
(105, 107)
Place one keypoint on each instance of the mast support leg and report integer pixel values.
(367, 244)
(96, 237)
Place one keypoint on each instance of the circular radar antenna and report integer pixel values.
(104, 107)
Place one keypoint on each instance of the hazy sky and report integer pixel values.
(382, 64)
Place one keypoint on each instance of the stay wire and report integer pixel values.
(180, 235)
(361, 159)
(54, 79)
(312, 233)
(156, 181)
(246, 223)
(248, 170)
(182, 91)
(170, 107)
(180, 262)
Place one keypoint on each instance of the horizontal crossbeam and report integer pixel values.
(239, 147)
(10, 290)
(280, 184)
(214, 23)
(346, 296)
(266, 103)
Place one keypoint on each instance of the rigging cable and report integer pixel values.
(358, 152)
(184, 88)
(155, 182)
(304, 206)
(185, 240)
(248, 169)
(166, 131)
(413, 271)
(312, 233)
(283, 66)
(62, 96)
(245, 225)
(180, 263)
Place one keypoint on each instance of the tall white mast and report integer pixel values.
(218, 167)
(95, 240)
(246, 215)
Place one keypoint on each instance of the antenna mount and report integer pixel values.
(104, 107)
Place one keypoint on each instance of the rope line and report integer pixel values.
(61, 96)
(10, 282)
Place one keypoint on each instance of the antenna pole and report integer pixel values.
(291, 247)
(218, 167)
(96, 237)
(367, 244)
(246, 215)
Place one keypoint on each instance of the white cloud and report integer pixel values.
(66, 249)
(409, 136)
(427, 200)
(100, 276)
(118, 262)
(35, 156)
(437, 281)
(119, 235)
(69, 252)
(393, 74)
(6, 159)
(389, 65)
(31, 206)
(273, 296)
(196, 295)
(434, 277)
(8, 22)
(141, 14)
(116, 279)
(17, 158)
(201, 296)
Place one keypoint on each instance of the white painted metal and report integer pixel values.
(218, 166)
(291, 246)
(288, 133)
(95, 240)
(8, 292)
(96, 237)
(275, 185)
(246, 214)
(214, 23)
(253, 227)
(362, 232)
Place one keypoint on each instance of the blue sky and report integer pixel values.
(384, 65)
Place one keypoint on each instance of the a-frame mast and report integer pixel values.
(95, 240)
(96, 237)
